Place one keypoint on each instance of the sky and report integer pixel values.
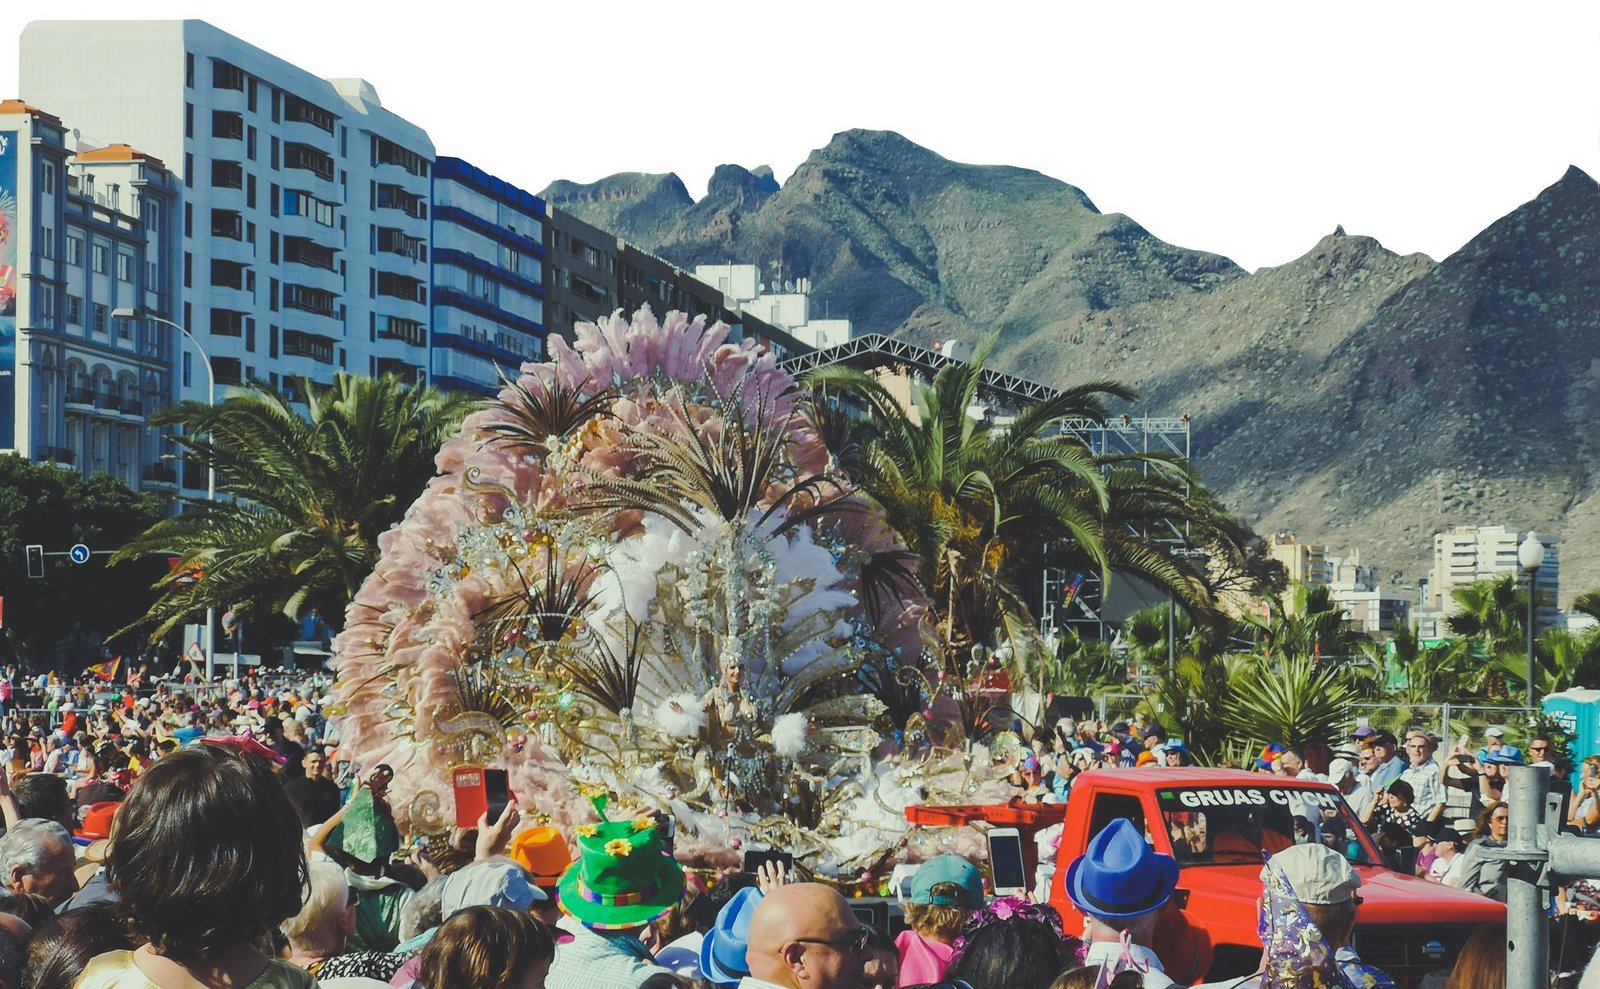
(1247, 129)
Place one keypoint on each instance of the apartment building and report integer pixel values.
(304, 201)
(82, 235)
(1470, 553)
(488, 278)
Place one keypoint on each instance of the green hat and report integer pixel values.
(623, 877)
(367, 831)
(948, 870)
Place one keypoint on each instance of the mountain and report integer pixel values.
(1355, 396)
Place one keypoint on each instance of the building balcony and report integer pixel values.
(164, 475)
(57, 455)
(131, 407)
(80, 396)
(106, 402)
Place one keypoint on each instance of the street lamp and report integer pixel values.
(1530, 555)
(129, 312)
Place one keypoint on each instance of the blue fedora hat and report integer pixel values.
(1119, 876)
(722, 951)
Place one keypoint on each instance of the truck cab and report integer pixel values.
(1220, 825)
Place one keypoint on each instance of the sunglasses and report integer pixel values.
(857, 941)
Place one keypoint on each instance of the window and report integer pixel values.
(188, 69)
(314, 160)
(49, 178)
(124, 267)
(388, 153)
(124, 329)
(227, 124)
(188, 271)
(227, 274)
(250, 95)
(298, 344)
(297, 110)
(227, 323)
(47, 307)
(394, 197)
(401, 287)
(250, 143)
(150, 275)
(187, 369)
(391, 240)
(250, 335)
(314, 300)
(74, 311)
(227, 175)
(75, 251)
(227, 223)
(98, 323)
(250, 191)
(188, 170)
(300, 250)
(274, 201)
(188, 119)
(409, 330)
(272, 341)
(274, 159)
(97, 253)
(296, 203)
(228, 370)
(188, 219)
(47, 244)
(225, 76)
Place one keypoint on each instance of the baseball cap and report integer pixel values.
(1365, 731)
(1502, 758)
(1317, 873)
(1338, 769)
(943, 870)
(1495, 731)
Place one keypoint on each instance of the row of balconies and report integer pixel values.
(105, 401)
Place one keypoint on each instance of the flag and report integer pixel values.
(1069, 590)
(106, 671)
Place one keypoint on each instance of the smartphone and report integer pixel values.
(497, 792)
(1005, 859)
(754, 860)
(667, 828)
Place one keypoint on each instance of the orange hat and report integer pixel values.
(97, 822)
(1146, 758)
(543, 852)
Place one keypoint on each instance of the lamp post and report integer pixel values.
(126, 312)
(1530, 555)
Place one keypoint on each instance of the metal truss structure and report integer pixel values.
(1069, 600)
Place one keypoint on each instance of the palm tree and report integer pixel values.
(305, 495)
(978, 502)
(1312, 626)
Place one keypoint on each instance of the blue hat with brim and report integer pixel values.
(722, 952)
(1120, 876)
(947, 871)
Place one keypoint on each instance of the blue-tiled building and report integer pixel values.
(488, 278)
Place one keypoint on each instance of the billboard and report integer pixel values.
(10, 237)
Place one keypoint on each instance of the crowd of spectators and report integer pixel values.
(163, 834)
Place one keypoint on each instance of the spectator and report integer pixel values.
(1386, 765)
(1584, 815)
(1424, 775)
(44, 796)
(488, 948)
(1479, 873)
(803, 936)
(1400, 828)
(1176, 754)
(1120, 885)
(1482, 962)
(326, 920)
(1013, 944)
(313, 792)
(36, 856)
(290, 752)
(1494, 743)
(1293, 759)
(1353, 785)
(622, 881)
(204, 906)
(1493, 776)
(1309, 913)
(722, 950)
(1447, 858)
(945, 890)
(1460, 779)
(14, 932)
(58, 951)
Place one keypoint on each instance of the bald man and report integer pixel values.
(803, 936)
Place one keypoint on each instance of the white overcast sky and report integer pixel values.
(1249, 129)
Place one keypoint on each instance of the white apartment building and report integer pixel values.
(784, 304)
(305, 223)
(1470, 553)
(82, 234)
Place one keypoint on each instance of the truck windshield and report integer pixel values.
(1233, 825)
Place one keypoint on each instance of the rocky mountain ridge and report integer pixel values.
(1358, 397)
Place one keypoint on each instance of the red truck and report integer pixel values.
(1218, 823)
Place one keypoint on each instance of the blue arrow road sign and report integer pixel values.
(79, 553)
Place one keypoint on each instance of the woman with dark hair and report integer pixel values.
(1020, 950)
(206, 860)
(58, 951)
(488, 948)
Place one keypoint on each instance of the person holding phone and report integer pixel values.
(945, 890)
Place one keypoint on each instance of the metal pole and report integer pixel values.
(1533, 584)
(1172, 635)
(1527, 917)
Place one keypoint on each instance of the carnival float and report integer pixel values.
(640, 571)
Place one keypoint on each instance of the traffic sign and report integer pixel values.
(79, 553)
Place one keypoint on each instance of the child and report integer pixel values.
(206, 858)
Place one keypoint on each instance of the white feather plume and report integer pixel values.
(789, 735)
(681, 715)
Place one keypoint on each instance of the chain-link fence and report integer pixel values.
(1119, 707)
(1452, 723)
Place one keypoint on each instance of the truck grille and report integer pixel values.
(1410, 949)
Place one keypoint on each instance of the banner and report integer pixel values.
(10, 250)
(106, 671)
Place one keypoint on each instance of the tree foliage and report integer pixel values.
(67, 613)
(302, 497)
